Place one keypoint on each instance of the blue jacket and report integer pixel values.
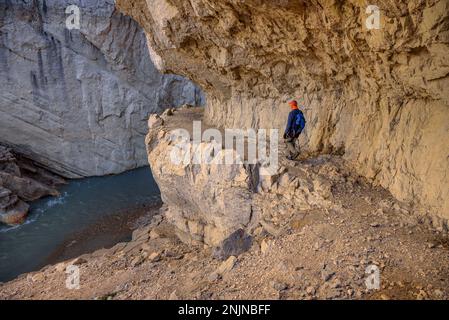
(291, 129)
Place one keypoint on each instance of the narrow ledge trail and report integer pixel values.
(321, 253)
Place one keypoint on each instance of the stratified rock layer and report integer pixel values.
(77, 100)
(377, 97)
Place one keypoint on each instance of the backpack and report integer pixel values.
(300, 123)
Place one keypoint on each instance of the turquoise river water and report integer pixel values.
(84, 203)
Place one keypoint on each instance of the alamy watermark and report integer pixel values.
(72, 281)
(241, 146)
(373, 20)
(372, 281)
(73, 21)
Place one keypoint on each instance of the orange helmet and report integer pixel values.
(293, 104)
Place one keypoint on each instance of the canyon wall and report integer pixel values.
(377, 97)
(77, 101)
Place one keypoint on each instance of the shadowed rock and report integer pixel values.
(237, 243)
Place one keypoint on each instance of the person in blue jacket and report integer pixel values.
(295, 125)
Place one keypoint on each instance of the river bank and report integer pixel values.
(87, 215)
(105, 233)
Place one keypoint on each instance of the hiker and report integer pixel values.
(295, 124)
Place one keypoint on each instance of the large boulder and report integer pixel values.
(219, 203)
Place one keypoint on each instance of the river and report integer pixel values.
(90, 214)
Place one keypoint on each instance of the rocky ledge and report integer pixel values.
(310, 231)
(313, 237)
(209, 203)
(22, 180)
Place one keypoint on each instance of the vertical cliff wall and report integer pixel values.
(77, 101)
(377, 97)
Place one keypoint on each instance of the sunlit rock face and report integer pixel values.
(208, 202)
(77, 101)
(378, 97)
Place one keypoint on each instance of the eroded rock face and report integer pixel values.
(22, 180)
(77, 101)
(378, 97)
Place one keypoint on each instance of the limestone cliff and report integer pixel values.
(378, 97)
(77, 100)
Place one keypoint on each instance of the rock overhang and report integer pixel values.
(376, 96)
